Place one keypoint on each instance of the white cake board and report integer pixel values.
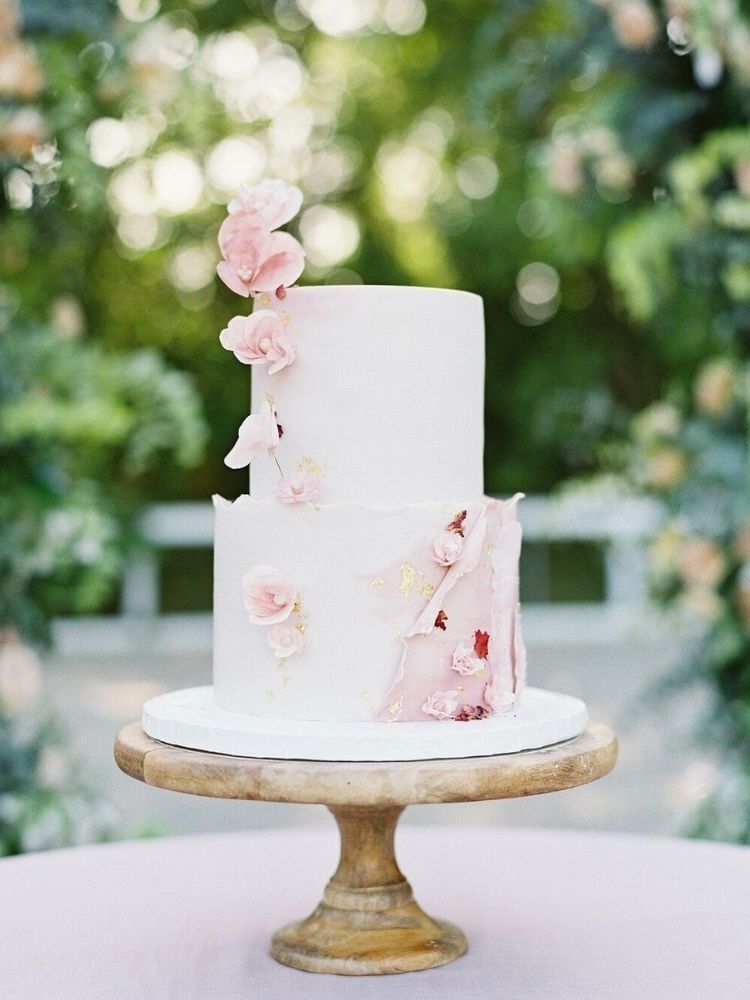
(189, 718)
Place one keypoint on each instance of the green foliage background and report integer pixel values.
(584, 166)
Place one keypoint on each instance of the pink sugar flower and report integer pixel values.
(465, 662)
(498, 697)
(285, 640)
(447, 548)
(269, 595)
(302, 488)
(256, 259)
(273, 200)
(257, 433)
(258, 340)
(441, 704)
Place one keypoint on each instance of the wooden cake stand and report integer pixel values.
(368, 922)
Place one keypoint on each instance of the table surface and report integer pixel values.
(550, 915)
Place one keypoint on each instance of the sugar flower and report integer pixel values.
(285, 640)
(257, 433)
(301, 488)
(465, 662)
(447, 548)
(272, 199)
(258, 340)
(256, 259)
(498, 697)
(441, 704)
(269, 595)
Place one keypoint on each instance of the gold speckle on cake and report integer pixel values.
(378, 583)
(427, 589)
(395, 709)
(367, 698)
(297, 607)
(408, 575)
(270, 400)
(285, 318)
(300, 626)
(308, 464)
(265, 299)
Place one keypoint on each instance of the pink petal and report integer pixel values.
(244, 225)
(283, 266)
(231, 279)
(239, 456)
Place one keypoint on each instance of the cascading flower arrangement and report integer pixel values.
(260, 261)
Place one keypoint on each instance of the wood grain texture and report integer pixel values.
(368, 922)
(531, 772)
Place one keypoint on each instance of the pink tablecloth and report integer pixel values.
(549, 916)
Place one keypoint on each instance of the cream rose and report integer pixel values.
(465, 662)
(441, 704)
(447, 548)
(285, 640)
(269, 595)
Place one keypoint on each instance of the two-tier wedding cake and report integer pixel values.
(366, 591)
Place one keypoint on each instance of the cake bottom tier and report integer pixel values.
(346, 613)
(190, 718)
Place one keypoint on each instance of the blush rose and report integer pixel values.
(269, 595)
(258, 340)
(447, 548)
(285, 640)
(441, 704)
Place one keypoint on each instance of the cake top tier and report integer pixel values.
(384, 398)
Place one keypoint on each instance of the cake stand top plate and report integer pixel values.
(395, 783)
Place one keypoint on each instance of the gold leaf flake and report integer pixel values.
(297, 606)
(395, 709)
(285, 318)
(300, 626)
(265, 299)
(427, 589)
(367, 698)
(308, 464)
(408, 575)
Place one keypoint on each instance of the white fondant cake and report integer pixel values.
(383, 402)
(385, 393)
(366, 579)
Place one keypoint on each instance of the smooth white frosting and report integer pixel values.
(385, 393)
(341, 558)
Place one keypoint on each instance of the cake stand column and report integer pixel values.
(368, 922)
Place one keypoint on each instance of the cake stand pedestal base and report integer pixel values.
(368, 922)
